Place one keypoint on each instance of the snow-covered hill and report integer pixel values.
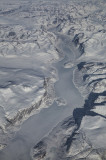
(33, 36)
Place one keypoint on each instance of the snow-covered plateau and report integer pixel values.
(53, 80)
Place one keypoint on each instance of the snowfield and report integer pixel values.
(53, 53)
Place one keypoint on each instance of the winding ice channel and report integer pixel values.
(39, 125)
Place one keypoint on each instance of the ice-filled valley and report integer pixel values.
(52, 80)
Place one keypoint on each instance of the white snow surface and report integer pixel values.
(29, 45)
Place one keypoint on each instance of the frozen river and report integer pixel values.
(42, 41)
(39, 125)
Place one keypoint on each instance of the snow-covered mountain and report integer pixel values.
(35, 35)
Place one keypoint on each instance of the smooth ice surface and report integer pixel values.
(39, 125)
(52, 65)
